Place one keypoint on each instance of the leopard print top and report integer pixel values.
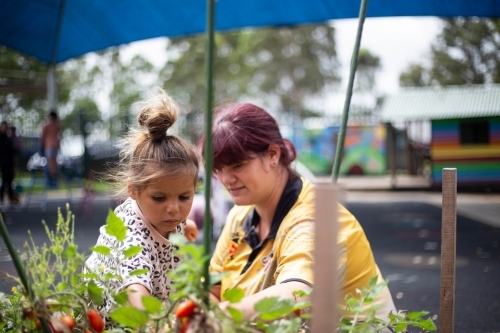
(156, 256)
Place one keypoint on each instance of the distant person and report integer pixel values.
(159, 172)
(50, 144)
(6, 164)
(18, 145)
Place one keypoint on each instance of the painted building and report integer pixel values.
(364, 149)
(465, 129)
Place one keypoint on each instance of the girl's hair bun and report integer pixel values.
(157, 115)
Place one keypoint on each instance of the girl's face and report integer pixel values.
(166, 203)
(251, 182)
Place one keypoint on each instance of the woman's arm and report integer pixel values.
(136, 292)
(246, 306)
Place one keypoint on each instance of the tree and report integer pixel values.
(22, 89)
(368, 66)
(279, 67)
(467, 51)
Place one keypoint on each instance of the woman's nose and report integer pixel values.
(225, 177)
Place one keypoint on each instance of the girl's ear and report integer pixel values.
(132, 191)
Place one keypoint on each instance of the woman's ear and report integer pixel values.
(274, 154)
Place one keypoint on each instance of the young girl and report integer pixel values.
(161, 173)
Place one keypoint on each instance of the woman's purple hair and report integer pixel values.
(242, 129)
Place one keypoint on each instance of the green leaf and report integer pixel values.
(400, 327)
(129, 316)
(151, 304)
(236, 314)
(115, 226)
(428, 324)
(122, 297)
(101, 249)
(139, 271)
(284, 326)
(234, 295)
(132, 251)
(71, 251)
(414, 315)
(88, 276)
(373, 281)
(272, 308)
(95, 292)
(109, 276)
(61, 286)
(215, 278)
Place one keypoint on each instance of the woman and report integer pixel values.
(271, 227)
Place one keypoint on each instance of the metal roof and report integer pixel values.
(428, 103)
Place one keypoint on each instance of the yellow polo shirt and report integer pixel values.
(246, 261)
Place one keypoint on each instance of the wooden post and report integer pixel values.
(325, 294)
(448, 250)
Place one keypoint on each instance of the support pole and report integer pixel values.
(52, 88)
(448, 251)
(339, 150)
(325, 299)
(209, 65)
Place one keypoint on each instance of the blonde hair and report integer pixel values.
(149, 153)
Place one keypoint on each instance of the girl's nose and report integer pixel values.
(172, 207)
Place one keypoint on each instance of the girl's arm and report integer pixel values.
(136, 292)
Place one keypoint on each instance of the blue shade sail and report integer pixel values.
(56, 30)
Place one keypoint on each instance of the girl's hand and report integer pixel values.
(191, 230)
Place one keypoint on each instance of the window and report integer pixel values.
(474, 132)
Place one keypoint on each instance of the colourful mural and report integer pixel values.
(477, 164)
(364, 152)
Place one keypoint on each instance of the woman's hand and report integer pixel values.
(191, 230)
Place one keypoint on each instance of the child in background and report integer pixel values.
(161, 174)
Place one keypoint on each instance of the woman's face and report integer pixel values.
(166, 203)
(250, 182)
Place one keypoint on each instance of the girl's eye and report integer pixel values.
(158, 198)
(237, 166)
(184, 197)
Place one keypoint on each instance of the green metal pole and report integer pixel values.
(209, 69)
(345, 114)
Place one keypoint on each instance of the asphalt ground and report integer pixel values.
(404, 234)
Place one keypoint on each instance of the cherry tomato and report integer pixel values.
(69, 321)
(185, 309)
(297, 312)
(184, 326)
(96, 321)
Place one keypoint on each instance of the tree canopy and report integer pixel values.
(467, 51)
(279, 67)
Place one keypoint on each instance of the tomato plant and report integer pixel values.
(96, 321)
(185, 309)
(69, 321)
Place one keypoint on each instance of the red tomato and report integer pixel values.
(297, 312)
(184, 326)
(185, 309)
(96, 321)
(69, 321)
